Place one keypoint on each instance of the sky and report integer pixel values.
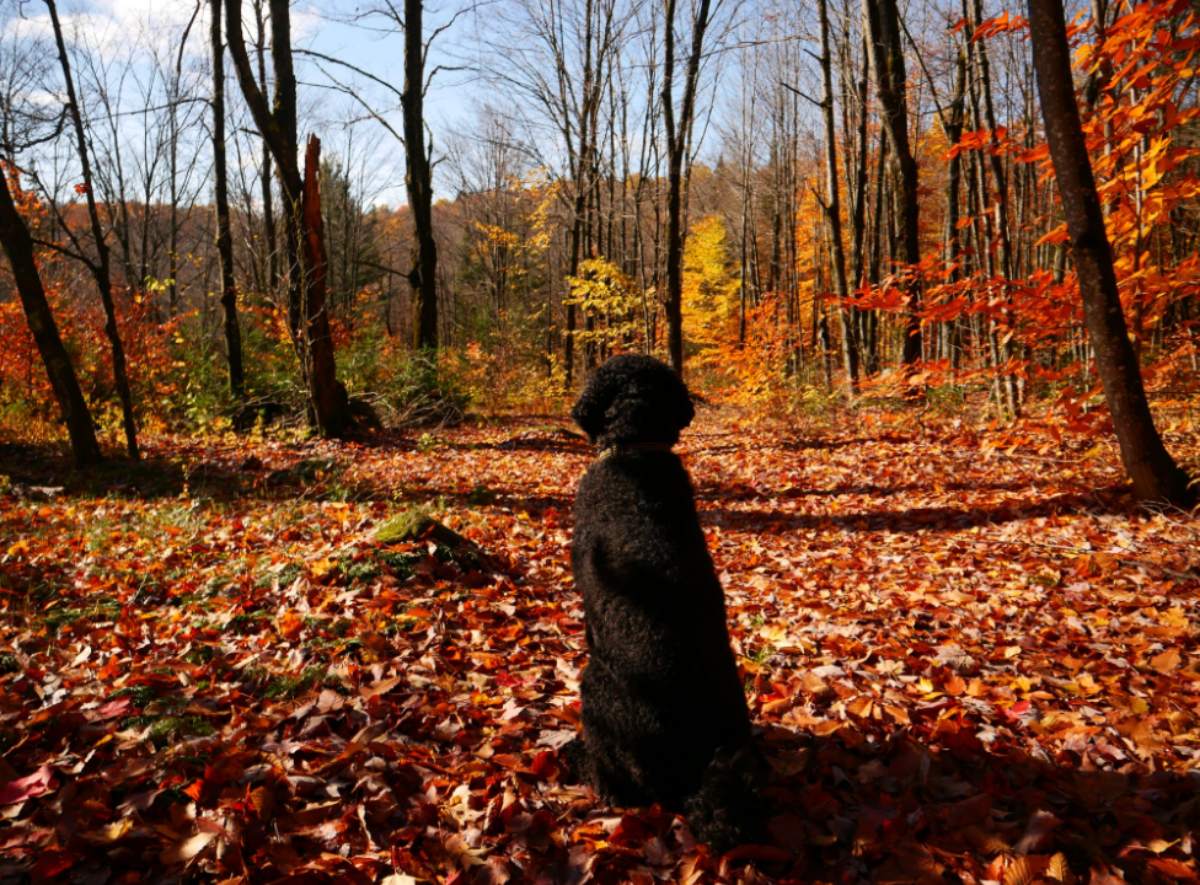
(122, 29)
(138, 31)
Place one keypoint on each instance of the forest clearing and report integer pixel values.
(970, 653)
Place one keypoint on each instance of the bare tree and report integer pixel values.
(833, 204)
(100, 265)
(558, 57)
(679, 133)
(233, 334)
(887, 58)
(418, 181)
(1153, 471)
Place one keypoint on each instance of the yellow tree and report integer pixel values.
(710, 288)
(604, 293)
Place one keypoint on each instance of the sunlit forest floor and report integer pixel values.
(970, 655)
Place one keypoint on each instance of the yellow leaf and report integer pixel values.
(1176, 617)
(321, 567)
(117, 829)
(1020, 872)
(1059, 870)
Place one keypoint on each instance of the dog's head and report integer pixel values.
(633, 399)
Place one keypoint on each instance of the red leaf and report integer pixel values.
(113, 709)
(27, 787)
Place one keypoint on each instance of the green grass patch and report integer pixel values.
(139, 695)
(282, 687)
(166, 729)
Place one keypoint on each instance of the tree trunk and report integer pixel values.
(233, 334)
(100, 268)
(678, 136)
(329, 398)
(18, 245)
(833, 204)
(308, 318)
(887, 58)
(271, 246)
(953, 126)
(1154, 473)
(1012, 393)
(417, 180)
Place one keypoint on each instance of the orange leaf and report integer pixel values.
(1166, 662)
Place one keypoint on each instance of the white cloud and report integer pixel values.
(126, 29)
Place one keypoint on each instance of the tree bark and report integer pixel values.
(417, 180)
(329, 397)
(887, 58)
(678, 136)
(18, 245)
(1153, 472)
(233, 334)
(271, 246)
(101, 267)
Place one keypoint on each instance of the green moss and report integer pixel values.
(139, 695)
(404, 526)
(174, 727)
(285, 576)
(364, 570)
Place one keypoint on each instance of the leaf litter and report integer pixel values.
(970, 655)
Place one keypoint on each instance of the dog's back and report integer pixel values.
(661, 684)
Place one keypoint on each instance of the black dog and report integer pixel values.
(664, 716)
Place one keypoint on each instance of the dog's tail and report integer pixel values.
(726, 811)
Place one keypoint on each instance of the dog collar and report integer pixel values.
(623, 448)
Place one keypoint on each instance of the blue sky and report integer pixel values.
(132, 32)
(128, 35)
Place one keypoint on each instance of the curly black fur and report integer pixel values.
(664, 716)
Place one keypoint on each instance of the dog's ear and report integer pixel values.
(683, 408)
(590, 409)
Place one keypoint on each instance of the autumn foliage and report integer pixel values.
(969, 654)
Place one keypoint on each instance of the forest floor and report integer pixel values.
(970, 654)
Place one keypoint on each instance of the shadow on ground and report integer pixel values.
(742, 492)
(897, 809)
(1113, 499)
